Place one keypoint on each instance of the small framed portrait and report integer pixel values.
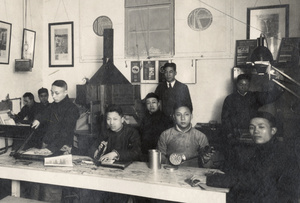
(5, 38)
(270, 21)
(61, 44)
(28, 45)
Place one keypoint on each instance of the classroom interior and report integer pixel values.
(205, 58)
(209, 53)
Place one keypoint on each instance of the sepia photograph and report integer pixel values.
(150, 101)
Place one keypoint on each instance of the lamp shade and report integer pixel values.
(261, 53)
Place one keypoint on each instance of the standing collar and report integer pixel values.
(183, 131)
(241, 93)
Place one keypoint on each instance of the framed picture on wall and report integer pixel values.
(270, 21)
(149, 72)
(5, 38)
(61, 44)
(28, 45)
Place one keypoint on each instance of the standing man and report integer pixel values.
(59, 120)
(172, 91)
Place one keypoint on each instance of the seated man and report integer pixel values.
(120, 142)
(26, 116)
(183, 139)
(28, 111)
(153, 124)
(264, 177)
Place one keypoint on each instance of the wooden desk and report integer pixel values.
(137, 179)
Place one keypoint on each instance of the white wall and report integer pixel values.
(213, 72)
(17, 83)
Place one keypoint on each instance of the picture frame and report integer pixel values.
(28, 45)
(5, 41)
(61, 44)
(149, 72)
(243, 51)
(270, 21)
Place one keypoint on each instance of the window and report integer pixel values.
(149, 28)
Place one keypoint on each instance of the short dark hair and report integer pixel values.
(266, 115)
(60, 83)
(243, 77)
(43, 90)
(114, 108)
(29, 95)
(178, 105)
(151, 95)
(172, 65)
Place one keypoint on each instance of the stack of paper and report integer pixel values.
(63, 160)
(5, 119)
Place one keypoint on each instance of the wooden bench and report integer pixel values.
(11, 199)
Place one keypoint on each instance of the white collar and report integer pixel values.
(171, 83)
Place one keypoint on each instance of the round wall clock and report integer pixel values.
(101, 23)
(200, 19)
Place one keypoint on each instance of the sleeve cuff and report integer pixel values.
(118, 155)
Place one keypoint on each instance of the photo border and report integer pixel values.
(254, 29)
(30, 46)
(5, 59)
(61, 60)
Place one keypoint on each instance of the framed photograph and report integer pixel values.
(5, 38)
(149, 72)
(135, 71)
(61, 44)
(272, 22)
(243, 51)
(28, 45)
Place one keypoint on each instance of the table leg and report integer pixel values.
(15, 188)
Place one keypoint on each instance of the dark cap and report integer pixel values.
(173, 65)
(151, 95)
(43, 90)
(266, 115)
(243, 77)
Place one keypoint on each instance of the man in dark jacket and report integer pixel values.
(172, 91)
(270, 176)
(59, 120)
(28, 111)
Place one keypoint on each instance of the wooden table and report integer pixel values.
(137, 179)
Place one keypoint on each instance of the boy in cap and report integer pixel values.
(153, 124)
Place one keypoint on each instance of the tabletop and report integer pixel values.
(137, 179)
